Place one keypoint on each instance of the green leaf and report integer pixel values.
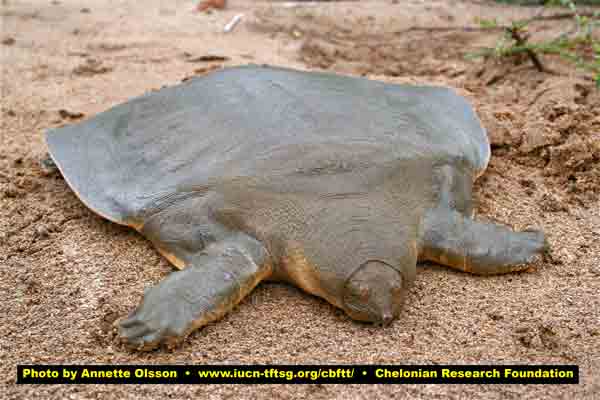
(486, 23)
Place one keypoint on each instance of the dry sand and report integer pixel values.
(66, 274)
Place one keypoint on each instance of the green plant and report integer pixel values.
(578, 46)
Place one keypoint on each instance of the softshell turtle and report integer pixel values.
(338, 185)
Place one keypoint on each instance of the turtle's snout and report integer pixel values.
(374, 294)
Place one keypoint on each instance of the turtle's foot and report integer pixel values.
(506, 251)
(480, 248)
(215, 281)
(163, 317)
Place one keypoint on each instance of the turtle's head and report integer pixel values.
(374, 293)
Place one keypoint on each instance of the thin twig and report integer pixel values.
(535, 18)
(521, 40)
(566, 15)
(450, 29)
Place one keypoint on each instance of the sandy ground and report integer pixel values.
(66, 274)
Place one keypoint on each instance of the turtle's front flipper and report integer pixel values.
(214, 281)
(452, 239)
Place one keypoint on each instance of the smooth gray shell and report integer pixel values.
(262, 124)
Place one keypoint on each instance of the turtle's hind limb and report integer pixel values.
(213, 282)
(452, 239)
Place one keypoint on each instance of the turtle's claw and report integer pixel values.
(527, 245)
(134, 331)
(130, 321)
(136, 334)
(139, 336)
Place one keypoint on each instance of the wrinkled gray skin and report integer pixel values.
(337, 185)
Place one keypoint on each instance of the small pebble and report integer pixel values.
(10, 190)
(42, 231)
(8, 41)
